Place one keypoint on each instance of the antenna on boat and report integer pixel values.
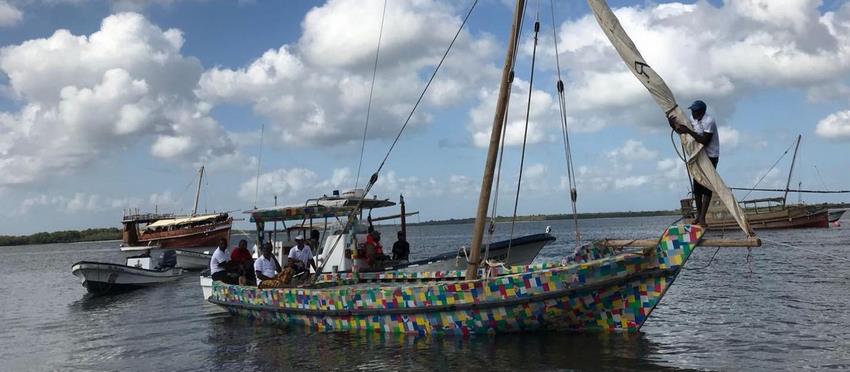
(492, 152)
(791, 171)
(198, 193)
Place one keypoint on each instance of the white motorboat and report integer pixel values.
(138, 272)
(192, 260)
(319, 220)
(206, 286)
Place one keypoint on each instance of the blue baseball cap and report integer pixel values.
(698, 105)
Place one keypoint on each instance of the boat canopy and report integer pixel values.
(317, 208)
(181, 221)
(296, 212)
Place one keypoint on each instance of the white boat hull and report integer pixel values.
(206, 286)
(521, 253)
(190, 260)
(103, 278)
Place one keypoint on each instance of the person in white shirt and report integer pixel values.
(301, 256)
(266, 266)
(219, 264)
(704, 132)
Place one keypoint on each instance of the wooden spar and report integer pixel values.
(198, 194)
(493, 151)
(394, 216)
(402, 215)
(794, 190)
(791, 171)
(648, 243)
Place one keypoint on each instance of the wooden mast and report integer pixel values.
(493, 151)
(198, 194)
(791, 171)
(403, 215)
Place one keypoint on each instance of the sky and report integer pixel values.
(107, 106)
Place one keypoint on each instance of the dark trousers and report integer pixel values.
(699, 189)
(225, 277)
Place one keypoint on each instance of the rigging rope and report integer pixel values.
(568, 157)
(374, 178)
(371, 90)
(768, 170)
(491, 229)
(525, 132)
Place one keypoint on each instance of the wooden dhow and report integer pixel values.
(195, 231)
(599, 287)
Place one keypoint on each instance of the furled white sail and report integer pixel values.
(698, 163)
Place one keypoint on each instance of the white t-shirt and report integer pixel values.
(304, 255)
(264, 266)
(707, 125)
(218, 257)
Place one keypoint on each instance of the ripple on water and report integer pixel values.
(789, 312)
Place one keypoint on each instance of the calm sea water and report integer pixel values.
(785, 308)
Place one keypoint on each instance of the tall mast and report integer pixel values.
(492, 152)
(198, 194)
(791, 171)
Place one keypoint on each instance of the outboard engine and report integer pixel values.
(168, 259)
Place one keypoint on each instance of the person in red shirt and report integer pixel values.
(242, 257)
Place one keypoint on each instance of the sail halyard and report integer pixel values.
(698, 163)
(493, 150)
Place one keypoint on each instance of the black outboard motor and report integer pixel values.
(168, 259)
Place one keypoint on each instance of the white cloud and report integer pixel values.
(719, 54)
(544, 115)
(630, 181)
(9, 14)
(86, 96)
(632, 150)
(316, 90)
(836, 126)
(729, 137)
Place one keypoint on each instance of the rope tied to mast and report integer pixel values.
(565, 131)
(374, 178)
(525, 131)
(371, 90)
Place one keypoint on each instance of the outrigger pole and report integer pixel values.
(198, 194)
(493, 151)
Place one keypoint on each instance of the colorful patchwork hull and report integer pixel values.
(616, 292)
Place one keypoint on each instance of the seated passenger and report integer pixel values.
(266, 266)
(374, 250)
(242, 257)
(301, 256)
(220, 267)
(401, 248)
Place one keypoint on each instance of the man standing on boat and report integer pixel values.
(704, 132)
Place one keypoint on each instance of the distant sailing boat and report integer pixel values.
(769, 213)
(195, 231)
(605, 285)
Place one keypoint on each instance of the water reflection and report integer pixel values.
(237, 341)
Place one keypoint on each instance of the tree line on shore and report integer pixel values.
(66, 236)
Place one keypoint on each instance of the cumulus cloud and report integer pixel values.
(9, 14)
(315, 91)
(294, 185)
(632, 150)
(84, 96)
(719, 54)
(84, 202)
(543, 115)
(836, 126)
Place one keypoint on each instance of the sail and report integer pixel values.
(698, 163)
